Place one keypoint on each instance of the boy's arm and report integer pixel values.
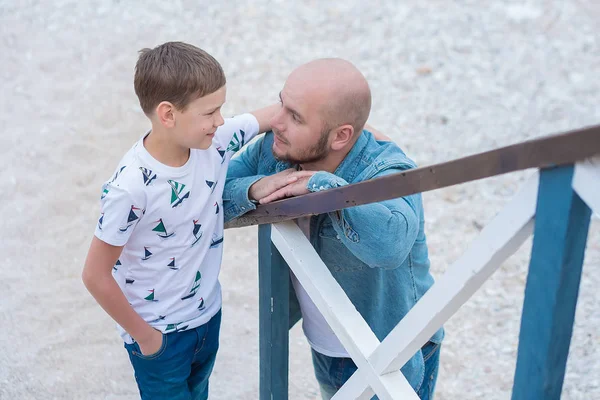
(98, 280)
(264, 115)
(377, 134)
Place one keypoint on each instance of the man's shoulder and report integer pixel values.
(378, 156)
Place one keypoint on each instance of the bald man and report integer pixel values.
(376, 252)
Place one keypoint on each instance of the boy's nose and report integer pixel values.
(218, 120)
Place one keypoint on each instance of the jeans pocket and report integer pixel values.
(429, 349)
(138, 353)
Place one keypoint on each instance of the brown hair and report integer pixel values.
(176, 72)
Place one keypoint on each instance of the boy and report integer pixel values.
(153, 264)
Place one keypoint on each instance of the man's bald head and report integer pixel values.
(340, 90)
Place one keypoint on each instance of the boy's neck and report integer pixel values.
(161, 146)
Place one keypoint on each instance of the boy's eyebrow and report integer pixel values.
(214, 109)
(290, 109)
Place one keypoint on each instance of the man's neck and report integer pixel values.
(160, 146)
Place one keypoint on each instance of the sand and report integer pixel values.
(448, 79)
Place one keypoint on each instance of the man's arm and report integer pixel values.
(379, 234)
(244, 186)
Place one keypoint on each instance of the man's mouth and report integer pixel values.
(280, 139)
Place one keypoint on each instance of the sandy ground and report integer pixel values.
(448, 79)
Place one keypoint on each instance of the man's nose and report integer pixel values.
(276, 121)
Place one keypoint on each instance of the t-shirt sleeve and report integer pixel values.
(119, 215)
(235, 133)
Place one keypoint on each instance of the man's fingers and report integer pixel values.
(279, 194)
(304, 174)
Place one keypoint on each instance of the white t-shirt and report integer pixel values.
(170, 222)
(319, 334)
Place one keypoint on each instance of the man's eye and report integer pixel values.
(295, 118)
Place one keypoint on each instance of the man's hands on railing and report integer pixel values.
(283, 184)
(296, 188)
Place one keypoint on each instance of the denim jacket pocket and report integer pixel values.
(334, 252)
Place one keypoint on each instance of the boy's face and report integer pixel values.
(195, 127)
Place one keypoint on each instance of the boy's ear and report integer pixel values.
(164, 112)
(342, 136)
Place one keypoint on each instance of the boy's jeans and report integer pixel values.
(179, 370)
(332, 373)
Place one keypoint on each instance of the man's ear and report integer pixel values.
(342, 135)
(165, 114)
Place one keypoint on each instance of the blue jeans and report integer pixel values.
(332, 372)
(180, 369)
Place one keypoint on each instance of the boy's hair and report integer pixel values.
(176, 72)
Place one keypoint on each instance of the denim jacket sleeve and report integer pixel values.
(241, 174)
(379, 234)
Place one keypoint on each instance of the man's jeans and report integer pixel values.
(332, 373)
(180, 369)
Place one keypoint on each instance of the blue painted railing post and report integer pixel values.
(273, 286)
(561, 227)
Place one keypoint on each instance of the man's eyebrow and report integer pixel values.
(291, 109)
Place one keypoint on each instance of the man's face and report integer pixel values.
(196, 126)
(300, 136)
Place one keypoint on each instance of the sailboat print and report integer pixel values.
(129, 281)
(212, 185)
(222, 154)
(176, 190)
(117, 173)
(147, 254)
(217, 210)
(201, 306)
(160, 318)
(150, 297)
(148, 175)
(100, 221)
(104, 191)
(172, 264)
(130, 219)
(195, 286)
(162, 231)
(116, 265)
(197, 232)
(235, 144)
(216, 241)
(175, 327)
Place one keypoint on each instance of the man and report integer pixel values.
(376, 252)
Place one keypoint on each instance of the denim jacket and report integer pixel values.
(377, 252)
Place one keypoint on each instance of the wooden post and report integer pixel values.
(560, 234)
(273, 286)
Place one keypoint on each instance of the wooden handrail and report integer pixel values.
(549, 151)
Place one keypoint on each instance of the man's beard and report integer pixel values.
(316, 153)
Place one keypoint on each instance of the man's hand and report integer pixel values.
(271, 184)
(152, 343)
(296, 188)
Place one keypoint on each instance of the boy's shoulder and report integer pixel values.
(130, 174)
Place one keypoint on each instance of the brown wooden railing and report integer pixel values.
(555, 150)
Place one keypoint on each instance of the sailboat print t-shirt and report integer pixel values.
(170, 222)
